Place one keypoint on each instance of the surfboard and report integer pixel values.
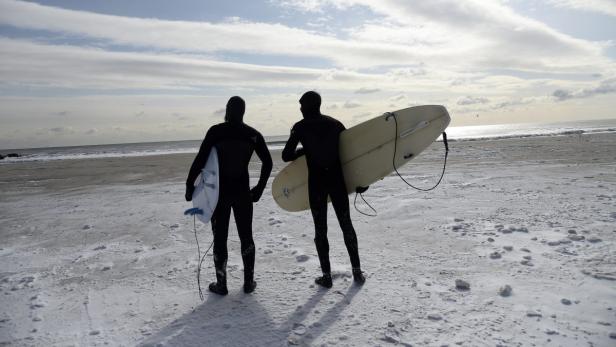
(205, 196)
(366, 152)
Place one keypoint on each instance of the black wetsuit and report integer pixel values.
(235, 143)
(319, 136)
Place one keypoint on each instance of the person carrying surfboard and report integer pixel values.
(235, 143)
(319, 135)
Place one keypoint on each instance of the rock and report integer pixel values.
(13, 155)
(571, 231)
(302, 258)
(505, 290)
(495, 255)
(462, 285)
(435, 316)
(490, 239)
(1, 157)
(565, 301)
(508, 248)
(576, 237)
(533, 314)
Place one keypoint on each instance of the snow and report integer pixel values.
(113, 262)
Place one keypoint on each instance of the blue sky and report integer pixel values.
(87, 72)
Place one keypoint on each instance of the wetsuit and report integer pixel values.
(235, 143)
(319, 136)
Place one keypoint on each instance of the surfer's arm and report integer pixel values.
(289, 153)
(266, 168)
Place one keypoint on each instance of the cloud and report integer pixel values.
(399, 97)
(61, 130)
(487, 33)
(61, 113)
(364, 90)
(469, 100)
(605, 87)
(351, 104)
(25, 62)
(202, 37)
(607, 7)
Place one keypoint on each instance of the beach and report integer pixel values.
(97, 252)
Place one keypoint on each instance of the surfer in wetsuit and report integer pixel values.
(319, 135)
(235, 143)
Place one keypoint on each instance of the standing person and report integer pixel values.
(319, 135)
(235, 143)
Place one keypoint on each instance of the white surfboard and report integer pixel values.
(366, 152)
(205, 196)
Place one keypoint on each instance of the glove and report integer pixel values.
(190, 189)
(256, 193)
(361, 190)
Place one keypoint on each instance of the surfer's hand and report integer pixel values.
(190, 189)
(256, 193)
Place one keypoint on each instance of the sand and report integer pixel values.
(97, 252)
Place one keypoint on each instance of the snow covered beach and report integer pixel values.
(97, 252)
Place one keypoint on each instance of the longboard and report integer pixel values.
(366, 152)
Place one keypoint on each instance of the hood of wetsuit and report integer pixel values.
(235, 110)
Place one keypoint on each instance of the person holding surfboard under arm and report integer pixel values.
(235, 143)
(319, 135)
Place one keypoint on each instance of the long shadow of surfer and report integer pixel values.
(241, 320)
(295, 329)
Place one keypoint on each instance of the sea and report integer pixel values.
(462, 133)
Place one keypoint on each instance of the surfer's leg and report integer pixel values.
(220, 228)
(340, 201)
(317, 197)
(242, 211)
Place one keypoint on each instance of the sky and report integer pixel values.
(78, 72)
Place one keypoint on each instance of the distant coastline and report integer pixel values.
(466, 133)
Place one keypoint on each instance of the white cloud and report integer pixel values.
(365, 90)
(476, 32)
(351, 104)
(439, 32)
(607, 7)
(26, 62)
(469, 100)
(604, 87)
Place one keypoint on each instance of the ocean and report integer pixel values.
(463, 133)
